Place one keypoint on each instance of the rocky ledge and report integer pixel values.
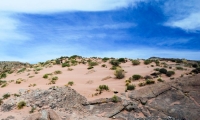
(175, 100)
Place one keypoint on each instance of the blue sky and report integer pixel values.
(39, 30)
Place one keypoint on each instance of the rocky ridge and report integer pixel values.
(175, 100)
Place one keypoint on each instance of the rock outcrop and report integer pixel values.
(175, 100)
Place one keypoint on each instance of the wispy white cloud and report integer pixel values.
(183, 14)
(172, 41)
(191, 22)
(9, 31)
(39, 6)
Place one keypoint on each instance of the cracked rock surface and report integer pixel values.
(175, 100)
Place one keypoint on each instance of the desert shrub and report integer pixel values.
(195, 65)
(58, 62)
(197, 70)
(146, 62)
(123, 60)
(103, 65)
(142, 84)
(5, 96)
(163, 70)
(150, 82)
(32, 110)
(36, 72)
(21, 104)
(157, 62)
(38, 69)
(1, 101)
(105, 59)
(45, 76)
(90, 67)
(147, 77)
(21, 70)
(16, 95)
(57, 72)
(70, 83)
(2, 82)
(155, 74)
(152, 65)
(31, 76)
(18, 81)
(179, 61)
(160, 80)
(179, 68)
(69, 69)
(115, 99)
(55, 78)
(4, 85)
(136, 77)
(103, 87)
(135, 62)
(3, 75)
(130, 87)
(74, 62)
(119, 73)
(114, 67)
(170, 73)
(92, 63)
(65, 65)
(114, 62)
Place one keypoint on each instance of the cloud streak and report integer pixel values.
(48, 6)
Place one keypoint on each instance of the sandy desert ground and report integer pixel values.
(86, 81)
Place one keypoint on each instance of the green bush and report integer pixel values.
(32, 110)
(105, 59)
(1, 101)
(21, 70)
(58, 62)
(103, 87)
(5, 96)
(130, 87)
(55, 78)
(16, 95)
(2, 82)
(157, 69)
(136, 77)
(93, 63)
(65, 65)
(146, 62)
(21, 104)
(163, 70)
(4, 85)
(70, 83)
(3, 75)
(179, 68)
(114, 62)
(196, 71)
(90, 67)
(123, 60)
(160, 80)
(115, 99)
(45, 76)
(38, 69)
(74, 62)
(57, 72)
(103, 65)
(119, 73)
(135, 62)
(170, 73)
(142, 84)
(114, 67)
(150, 82)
